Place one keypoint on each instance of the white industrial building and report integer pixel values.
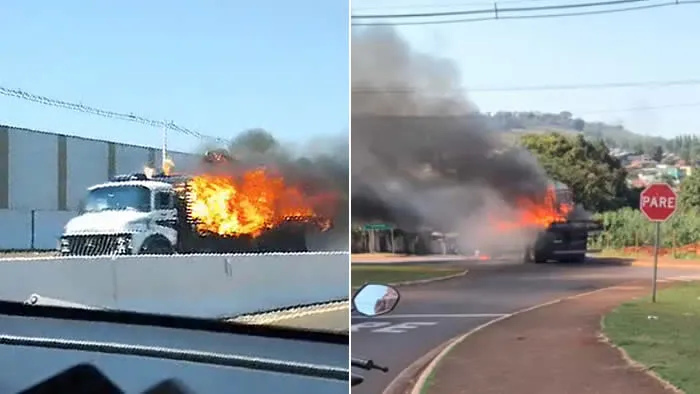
(43, 176)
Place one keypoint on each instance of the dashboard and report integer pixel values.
(50, 349)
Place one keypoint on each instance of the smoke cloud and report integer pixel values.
(421, 153)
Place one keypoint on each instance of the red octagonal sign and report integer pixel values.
(658, 202)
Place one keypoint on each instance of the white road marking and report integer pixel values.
(385, 327)
(432, 316)
(389, 328)
(369, 324)
(403, 327)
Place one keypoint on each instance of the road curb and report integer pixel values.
(423, 281)
(452, 343)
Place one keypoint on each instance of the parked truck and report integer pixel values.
(141, 214)
(565, 239)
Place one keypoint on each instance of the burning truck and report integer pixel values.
(561, 229)
(164, 213)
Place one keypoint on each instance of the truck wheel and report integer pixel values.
(156, 246)
(531, 256)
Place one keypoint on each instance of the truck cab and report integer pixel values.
(565, 239)
(131, 214)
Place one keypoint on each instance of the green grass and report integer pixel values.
(398, 273)
(664, 336)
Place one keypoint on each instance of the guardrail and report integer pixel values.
(210, 286)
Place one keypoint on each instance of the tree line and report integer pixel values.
(687, 146)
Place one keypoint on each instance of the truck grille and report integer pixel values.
(96, 245)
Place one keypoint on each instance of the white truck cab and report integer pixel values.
(128, 215)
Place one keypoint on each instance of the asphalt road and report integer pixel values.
(428, 315)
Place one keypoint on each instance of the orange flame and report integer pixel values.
(537, 214)
(247, 205)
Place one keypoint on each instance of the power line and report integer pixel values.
(497, 13)
(451, 5)
(640, 108)
(20, 94)
(496, 9)
(532, 88)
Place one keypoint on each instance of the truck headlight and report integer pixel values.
(64, 245)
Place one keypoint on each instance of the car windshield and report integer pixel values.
(112, 198)
(179, 198)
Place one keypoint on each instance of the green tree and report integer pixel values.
(689, 195)
(596, 178)
(657, 153)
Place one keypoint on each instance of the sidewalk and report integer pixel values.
(552, 350)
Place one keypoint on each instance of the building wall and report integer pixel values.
(87, 163)
(43, 176)
(33, 175)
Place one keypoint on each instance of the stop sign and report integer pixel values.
(658, 202)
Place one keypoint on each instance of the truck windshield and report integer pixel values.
(565, 197)
(118, 198)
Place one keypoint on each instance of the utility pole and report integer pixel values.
(165, 147)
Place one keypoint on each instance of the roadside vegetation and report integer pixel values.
(629, 232)
(598, 181)
(385, 273)
(663, 336)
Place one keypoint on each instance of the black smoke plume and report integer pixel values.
(421, 154)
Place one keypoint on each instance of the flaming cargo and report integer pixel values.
(561, 235)
(147, 213)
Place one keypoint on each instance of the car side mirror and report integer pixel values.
(375, 299)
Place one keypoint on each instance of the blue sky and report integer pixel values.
(653, 45)
(215, 66)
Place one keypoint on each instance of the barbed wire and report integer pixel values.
(23, 95)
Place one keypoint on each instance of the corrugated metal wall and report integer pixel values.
(43, 176)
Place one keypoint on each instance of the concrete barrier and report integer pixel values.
(196, 285)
